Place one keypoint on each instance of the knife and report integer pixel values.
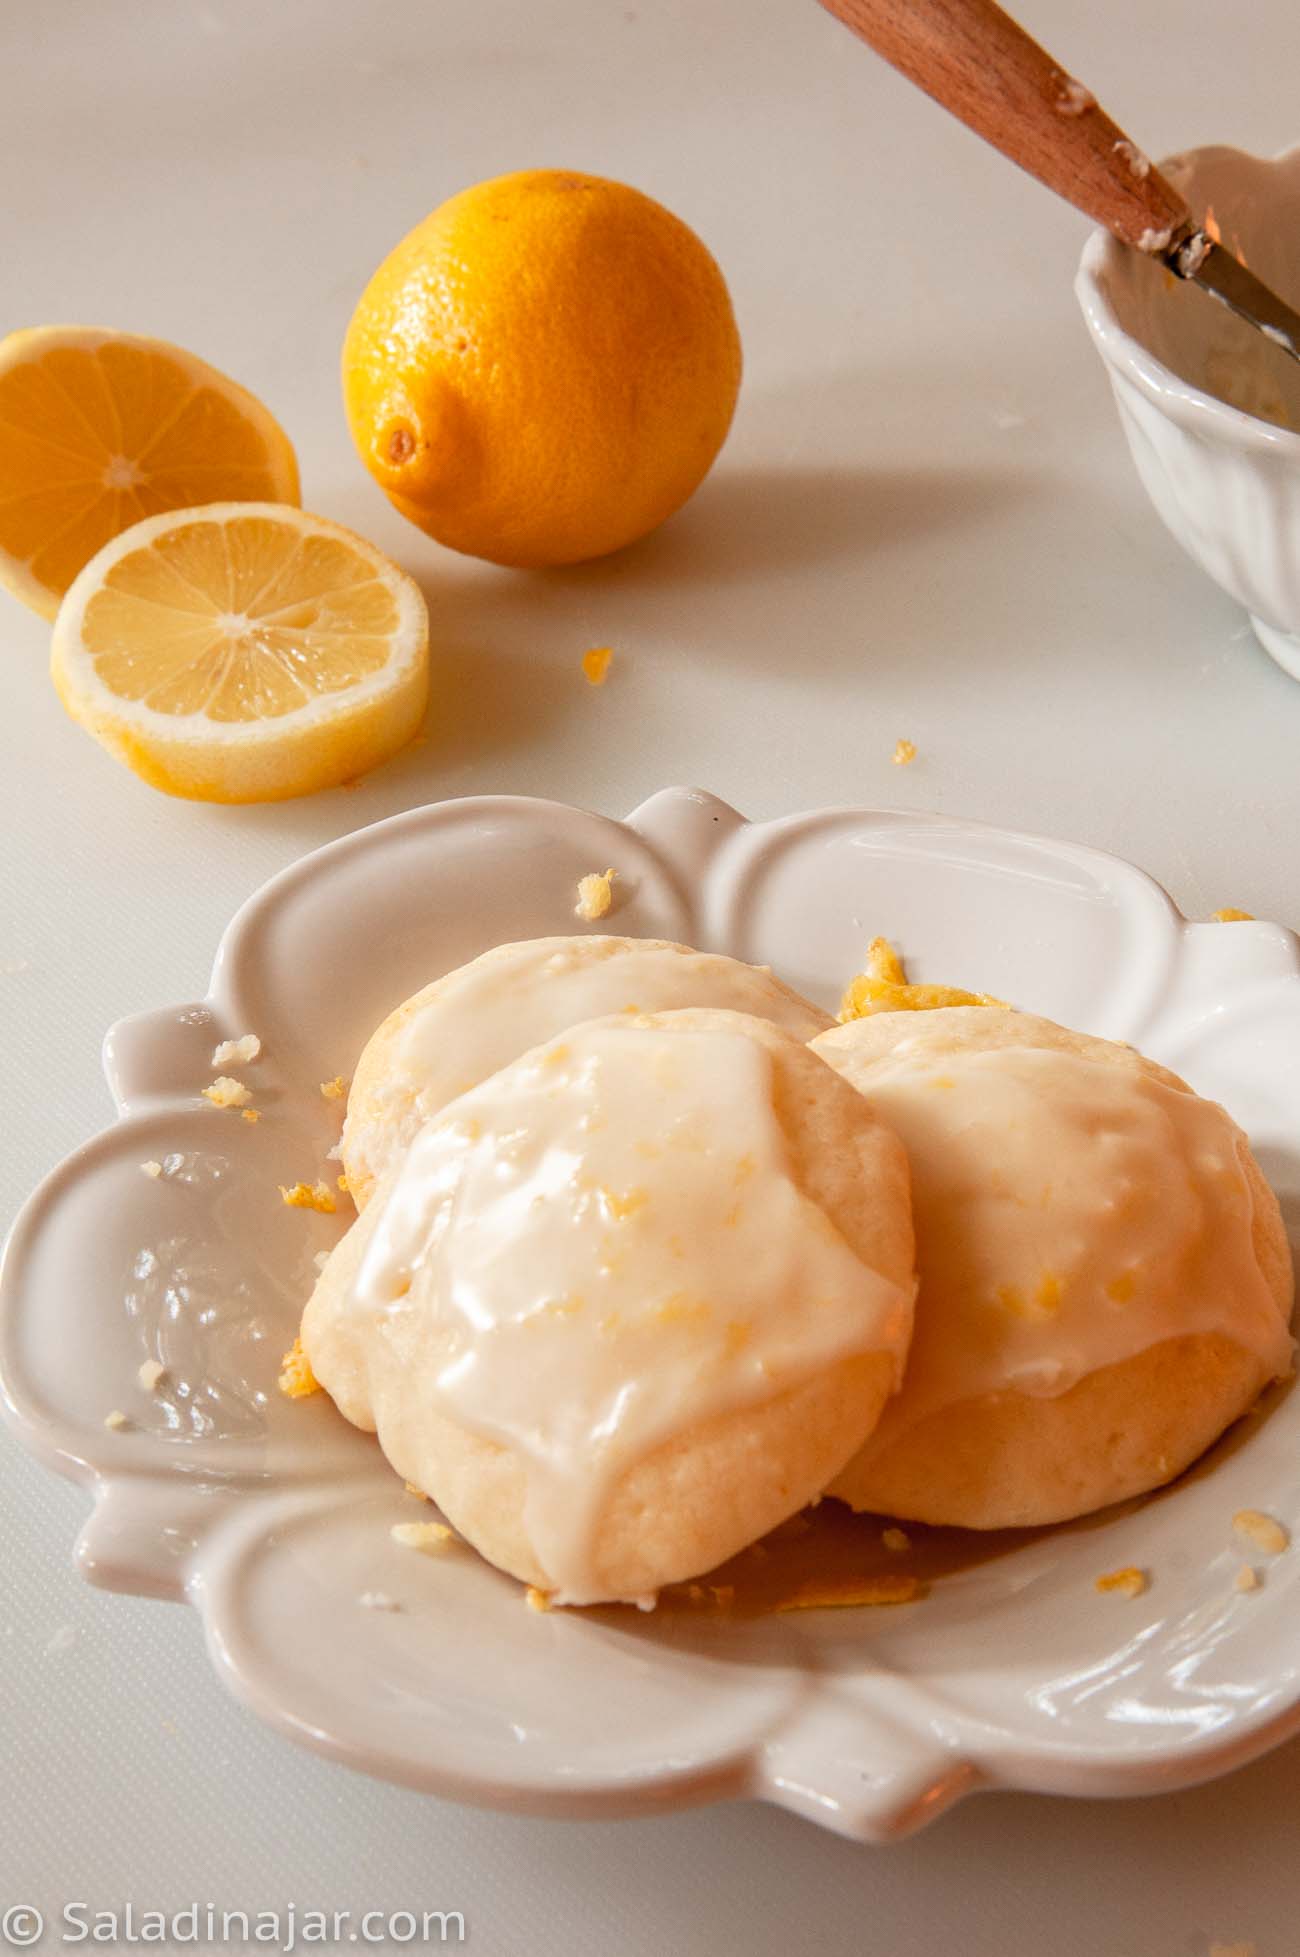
(975, 61)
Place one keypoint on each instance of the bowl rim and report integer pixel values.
(1179, 400)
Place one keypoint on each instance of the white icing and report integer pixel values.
(1074, 99)
(1139, 165)
(1193, 254)
(601, 1248)
(1069, 1214)
(487, 1013)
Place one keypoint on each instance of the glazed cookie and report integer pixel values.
(1105, 1281)
(463, 1027)
(630, 1303)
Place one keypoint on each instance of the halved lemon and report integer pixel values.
(243, 653)
(100, 429)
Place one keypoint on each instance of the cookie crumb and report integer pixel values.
(595, 895)
(150, 1373)
(151, 1169)
(237, 1053)
(308, 1196)
(596, 664)
(1127, 1582)
(1246, 1578)
(116, 1421)
(422, 1535)
(334, 1090)
(896, 1539)
(1263, 1530)
(227, 1093)
(537, 1599)
(321, 1259)
(419, 1493)
(377, 1600)
(297, 1380)
(883, 986)
(1231, 916)
(904, 753)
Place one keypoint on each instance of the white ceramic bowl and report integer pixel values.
(273, 1518)
(1210, 409)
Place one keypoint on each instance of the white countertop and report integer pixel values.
(925, 524)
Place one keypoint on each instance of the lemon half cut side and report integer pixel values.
(99, 430)
(243, 652)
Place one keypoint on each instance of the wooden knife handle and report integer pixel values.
(976, 61)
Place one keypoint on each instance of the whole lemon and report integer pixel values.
(544, 369)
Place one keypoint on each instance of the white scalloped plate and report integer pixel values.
(273, 1517)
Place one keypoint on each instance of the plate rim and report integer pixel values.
(932, 1775)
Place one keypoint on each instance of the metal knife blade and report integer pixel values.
(1216, 271)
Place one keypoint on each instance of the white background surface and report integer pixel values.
(925, 524)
